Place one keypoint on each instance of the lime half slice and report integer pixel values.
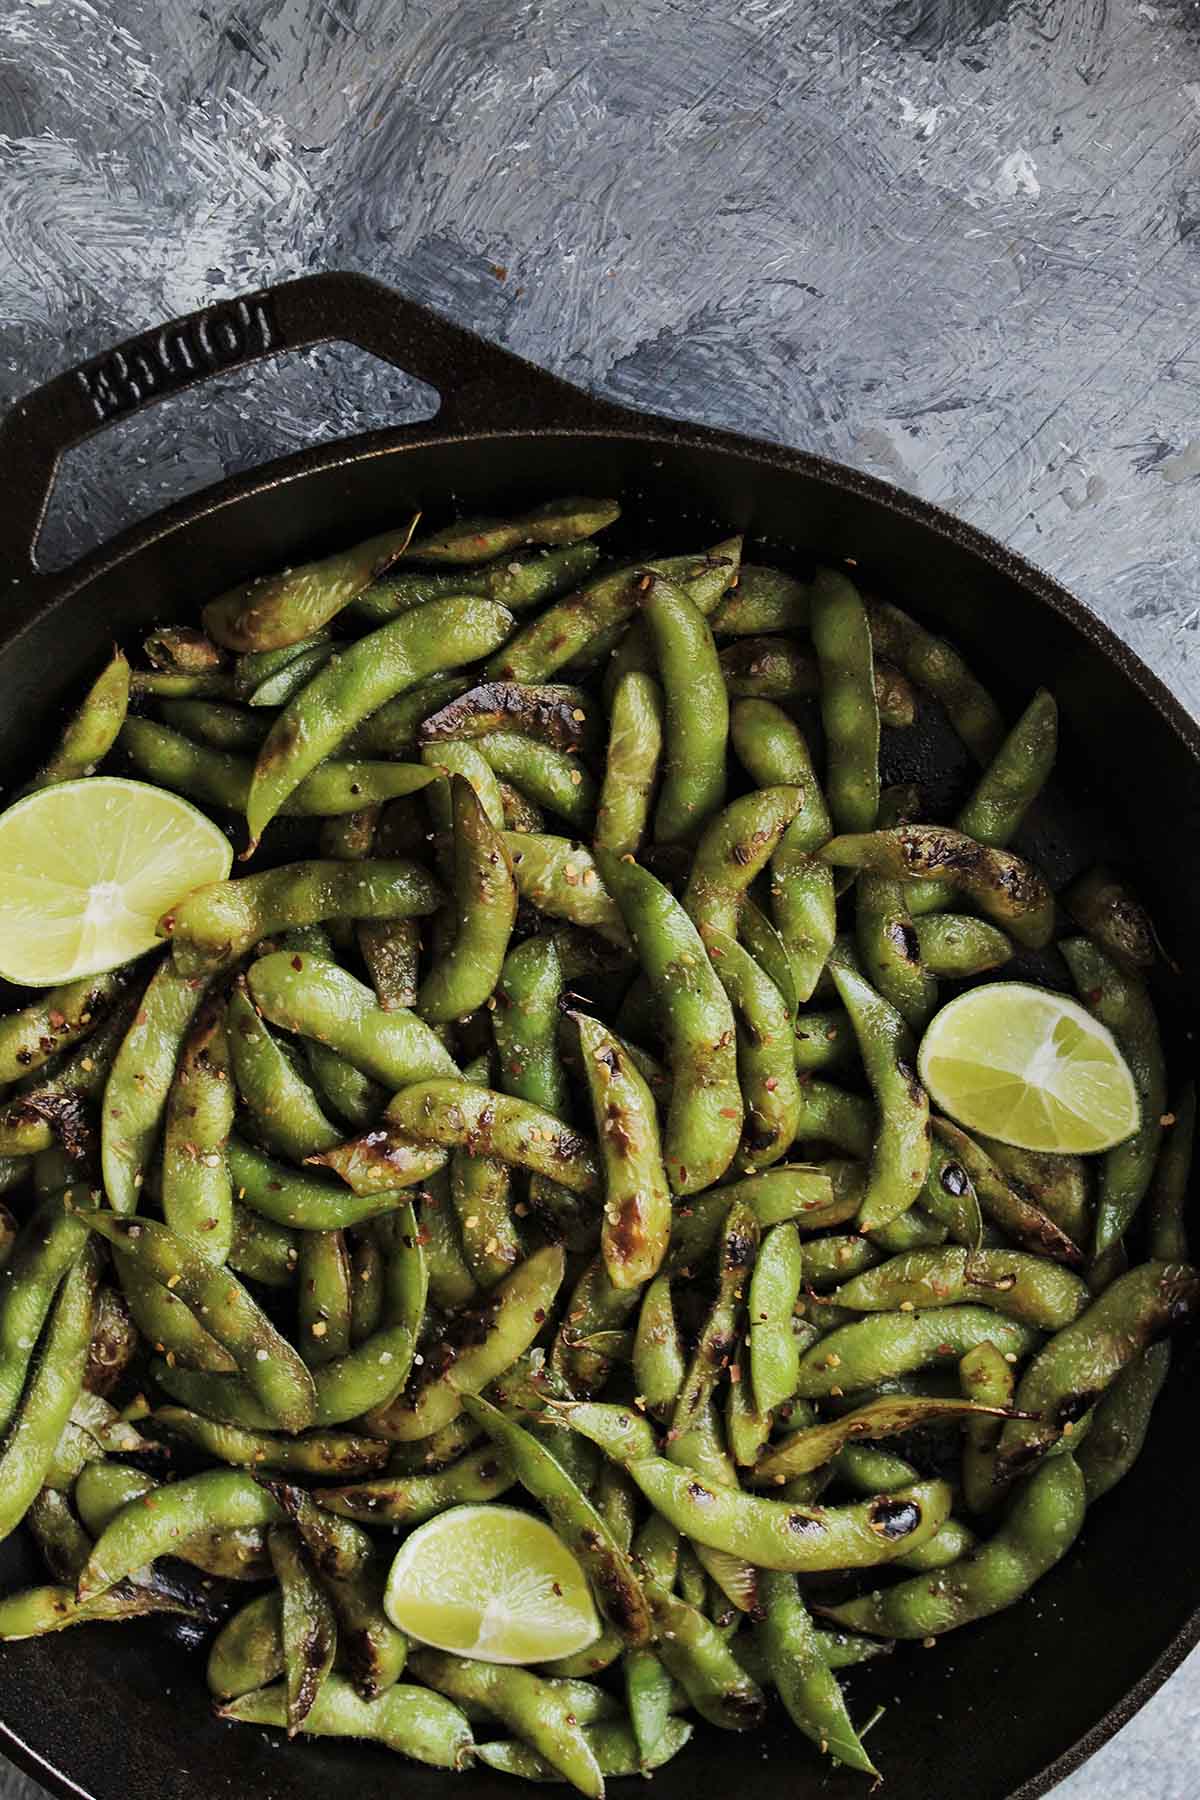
(493, 1583)
(88, 868)
(1030, 1067)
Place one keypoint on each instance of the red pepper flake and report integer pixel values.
(297, 962)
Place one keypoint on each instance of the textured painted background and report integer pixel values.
(953, 243)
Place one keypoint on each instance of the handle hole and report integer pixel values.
(190, 440)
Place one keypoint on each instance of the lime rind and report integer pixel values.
(1030, 1067)
(493, 1583)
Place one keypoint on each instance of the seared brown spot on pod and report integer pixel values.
(894, 1519)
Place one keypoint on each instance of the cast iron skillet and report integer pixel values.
(1000, 1711)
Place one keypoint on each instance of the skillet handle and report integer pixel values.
(481, 386)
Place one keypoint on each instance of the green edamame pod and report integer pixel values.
(273, 677)
(91, 732)
(957, 946)
(45, 1407)
(801, 1676)
(485, 907)
(1006, 790)
(987, 1377)
(765, 944)
(1169, 1187)
(658, 1361)
(356, 683)
(704, 580)
(300, 1200)
(313, 997)
(775, 1534)
(35, 1612)
(406, 1719)
(802, 1191)
(813, 1446)
(61, 1017)
(220, 778)
(937, 667)
(287, 1114)
(695, 1652)
(391, 730)
(307, 1626)
(551, 778)
(1005, 887)
(849, 708)
(1029, 1288)
(526, 1703)
(135, 1094)
(900, 1156)
(197, 1195)
(561, 879)
(275, 611)
(324, 1453)
(468, 761)
(886, 938)
(268, 1363)
(1006, 1203)
(586, 625)
(765, 1058)
(370, 1645)
(774, 1290)
(481, 1194)
(525, 1025)
(213, 722)
(352, 1096)
(696, 710)
(247, 1652)
(1040, 1527)
(226, 919)
(1110, 914)
(476, 540)
(704, 1118)
(1120, 1000)
(635, 745)
(457, 1115)
(868, 1351)
(521, 814)
(487, 1342)
(518, 584)
(737, 1249)
(773, 668)
(1121, 1421)
(747, 1429)
(350, 1386)
(1072, 1371)
(773, 750)
(637, 1203)
(480, 1475)
(1059, 1184)
(761, 599)
(733, 850)
(391, 950)
(323, 1296)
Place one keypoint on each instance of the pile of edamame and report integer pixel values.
(535, 1114)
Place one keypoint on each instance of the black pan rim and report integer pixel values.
(616, 424)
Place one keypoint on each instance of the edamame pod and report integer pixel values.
(226, 919)
(356, 683)
(704, 1118)
(1040, 1528)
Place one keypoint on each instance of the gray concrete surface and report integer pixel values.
(953, 243)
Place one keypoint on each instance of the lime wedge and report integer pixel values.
(493, 1583)
(1030, 1067)
(88, 868)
